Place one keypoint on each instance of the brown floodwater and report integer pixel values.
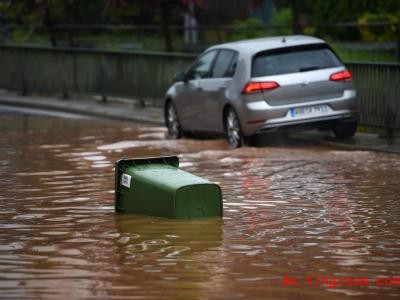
(300, 210)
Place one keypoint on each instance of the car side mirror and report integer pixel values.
(180, 76)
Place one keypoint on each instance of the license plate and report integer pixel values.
(308, 110)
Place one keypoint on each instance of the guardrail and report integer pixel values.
(378, 90)
(145, 76)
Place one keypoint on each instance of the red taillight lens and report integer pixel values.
(254, 87)
(341, 76)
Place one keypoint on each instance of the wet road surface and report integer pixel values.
(304, 211)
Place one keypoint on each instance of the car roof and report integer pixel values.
(261, 44)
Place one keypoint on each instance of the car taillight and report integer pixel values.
(254, 87)
(341, 76)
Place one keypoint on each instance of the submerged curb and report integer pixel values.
(153, 115)
(89, 109)
(356, 147)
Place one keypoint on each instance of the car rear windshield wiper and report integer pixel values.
(305, 69)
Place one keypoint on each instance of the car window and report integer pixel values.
(202, 66)
(225, 64)
(293, 60)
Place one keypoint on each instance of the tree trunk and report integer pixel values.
(165, 12)
(296, 27)
(49, 25)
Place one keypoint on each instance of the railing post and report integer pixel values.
(65, 94)
(398, 41)
(74, 72)
(103, 79)
(390, 113)
(140, 83)
(64, 69)
(390, 118)
(24, 83)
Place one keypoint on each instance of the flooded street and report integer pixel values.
(300, 212)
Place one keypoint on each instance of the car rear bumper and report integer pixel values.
(259, 117)
(306, 123)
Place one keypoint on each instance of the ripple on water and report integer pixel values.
(293, 210)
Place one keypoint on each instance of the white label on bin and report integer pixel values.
(126, 180)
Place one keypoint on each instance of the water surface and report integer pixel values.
(297, 210)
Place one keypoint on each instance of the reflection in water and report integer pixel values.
(301, 210)
(171, 239)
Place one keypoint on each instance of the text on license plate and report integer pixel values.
(308, 110)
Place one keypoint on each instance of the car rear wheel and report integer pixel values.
(232, 129)
(344, 130)
(172, 121)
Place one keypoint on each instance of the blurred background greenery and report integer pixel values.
(359, 30)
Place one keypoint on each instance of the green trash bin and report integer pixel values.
(157, 187)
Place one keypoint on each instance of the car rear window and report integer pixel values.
(293, 60)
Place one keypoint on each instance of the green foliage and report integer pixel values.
(378, 33)
(248, 29)
(124, 13)
(20, 12)
(282, 17)
(32, 12)
(77, 11)
(324, 11)
(354, 11)
(347, 53)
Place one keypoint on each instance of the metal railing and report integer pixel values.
(378, 90)
(145, 76)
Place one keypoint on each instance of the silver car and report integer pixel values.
(252, 87)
